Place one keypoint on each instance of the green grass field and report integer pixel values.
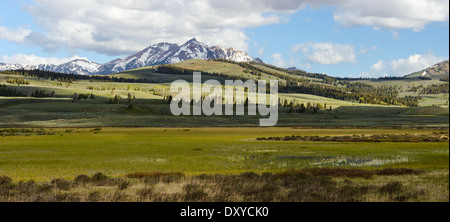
(152, 110)
(148, 138)
(118, 151)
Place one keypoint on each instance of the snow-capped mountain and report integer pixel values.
(161, 53)
(231, 54)
(6, 66)
(152, 55)
(168, 53)
(77, 66)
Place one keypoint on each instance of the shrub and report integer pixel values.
(398, 171)
(122, 184)
(140, 175)
(28, 187)
(144, 193)
(118, 196)
(249, 176)
(82, 179)
(391, 188)
(194, 192)
(4, 180)
(61, 184)
(99, 177)
(61, 197)
(154, 177)
(94, 196)
(44, 187)
(342, 172)
(73, 197)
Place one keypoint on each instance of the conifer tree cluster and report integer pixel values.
(76, 97)
(42, 93)
(10, 92)
(115, 100)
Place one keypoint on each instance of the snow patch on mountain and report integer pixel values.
(157, 54)
(77, 66)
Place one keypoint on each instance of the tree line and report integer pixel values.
(431, 89)
(8, 91)
(69, 78)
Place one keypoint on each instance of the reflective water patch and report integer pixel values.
(354, 161)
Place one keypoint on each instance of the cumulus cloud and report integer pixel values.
(14, 35)
(387, 14)
(414, 63)
(378, 66)
(326, 53)
(118, 27)
(121, 27)
(35, 60)
(278, 61)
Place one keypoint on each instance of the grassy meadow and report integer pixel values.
(206, 164)
(61, 149)
(118, 151)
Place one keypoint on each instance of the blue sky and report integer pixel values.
(343, 38)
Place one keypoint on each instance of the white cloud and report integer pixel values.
(326, 53)
(278, 61)
(414, 63)
(14, 35)
(387, 14)
(119, 27)
(305, 66)
(377, 67)
(35, 60)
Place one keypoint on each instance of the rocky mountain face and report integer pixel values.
(168, 53)
(161, 53)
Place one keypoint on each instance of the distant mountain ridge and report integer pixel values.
(157, 54)
(77, 66)
(437, 71)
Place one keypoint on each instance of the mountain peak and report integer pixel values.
(258, 60)
(192, 40)
(293, 68)
(82, 60)
(160, 53)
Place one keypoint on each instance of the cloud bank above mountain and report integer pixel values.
(120, 27)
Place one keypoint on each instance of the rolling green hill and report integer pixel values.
(437, 71)
(353, 103)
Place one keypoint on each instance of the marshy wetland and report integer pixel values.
(208, 160)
